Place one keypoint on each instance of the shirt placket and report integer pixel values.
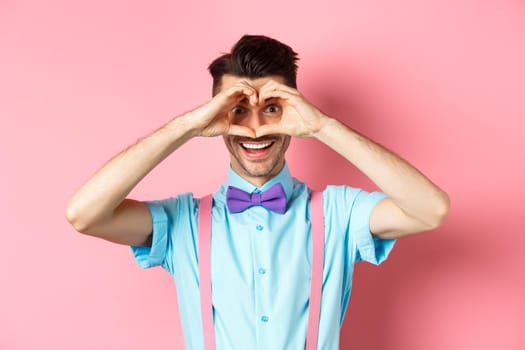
(262, 279)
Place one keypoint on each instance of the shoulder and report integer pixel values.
(342, 194)
(342, 202)
(179, 204)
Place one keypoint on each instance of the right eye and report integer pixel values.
(238, 110)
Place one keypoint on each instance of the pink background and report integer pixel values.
(439, 82)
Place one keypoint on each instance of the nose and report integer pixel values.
(253, 119)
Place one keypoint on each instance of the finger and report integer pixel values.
(284, 87)
(253, 98)
(241, 89)
(247, 91)
(271, 129)
(239, 130)
(267, 94)
(272, 85)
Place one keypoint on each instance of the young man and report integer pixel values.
(261, 255)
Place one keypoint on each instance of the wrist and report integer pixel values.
(326, 128)
(182, 126)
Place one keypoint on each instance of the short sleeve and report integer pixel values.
(367, 247)
(154, 255)
(174, 223)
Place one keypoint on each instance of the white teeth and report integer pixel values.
(256, 145)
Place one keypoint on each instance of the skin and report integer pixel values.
(256, 166)
(249, 113)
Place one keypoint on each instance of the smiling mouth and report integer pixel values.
(256, 146)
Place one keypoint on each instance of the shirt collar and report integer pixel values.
(283, 177)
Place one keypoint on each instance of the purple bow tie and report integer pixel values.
(273, 199)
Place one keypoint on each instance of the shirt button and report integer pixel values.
(264, 318)
(262, 271)
(259, 227)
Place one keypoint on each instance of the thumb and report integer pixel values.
(239, 130)
(269, 129)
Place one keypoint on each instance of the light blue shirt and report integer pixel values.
(261, 263)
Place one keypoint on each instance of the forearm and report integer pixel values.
(410, 190)
(100, 207)
(98, 199)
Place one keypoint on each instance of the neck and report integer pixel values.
(258, 180)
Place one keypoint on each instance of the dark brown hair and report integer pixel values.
(256, 56)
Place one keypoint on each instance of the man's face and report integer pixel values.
(256, 160)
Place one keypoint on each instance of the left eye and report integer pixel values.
(272, 109)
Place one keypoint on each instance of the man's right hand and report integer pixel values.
(212, 118)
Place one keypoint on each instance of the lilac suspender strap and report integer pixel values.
(316, 284)
(205, 272)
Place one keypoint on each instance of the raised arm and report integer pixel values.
(413, 204)
(100, 207)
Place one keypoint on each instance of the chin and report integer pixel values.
(269, 169)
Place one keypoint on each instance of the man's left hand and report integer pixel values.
(300, 118)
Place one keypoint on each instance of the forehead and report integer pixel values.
(228, 80)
